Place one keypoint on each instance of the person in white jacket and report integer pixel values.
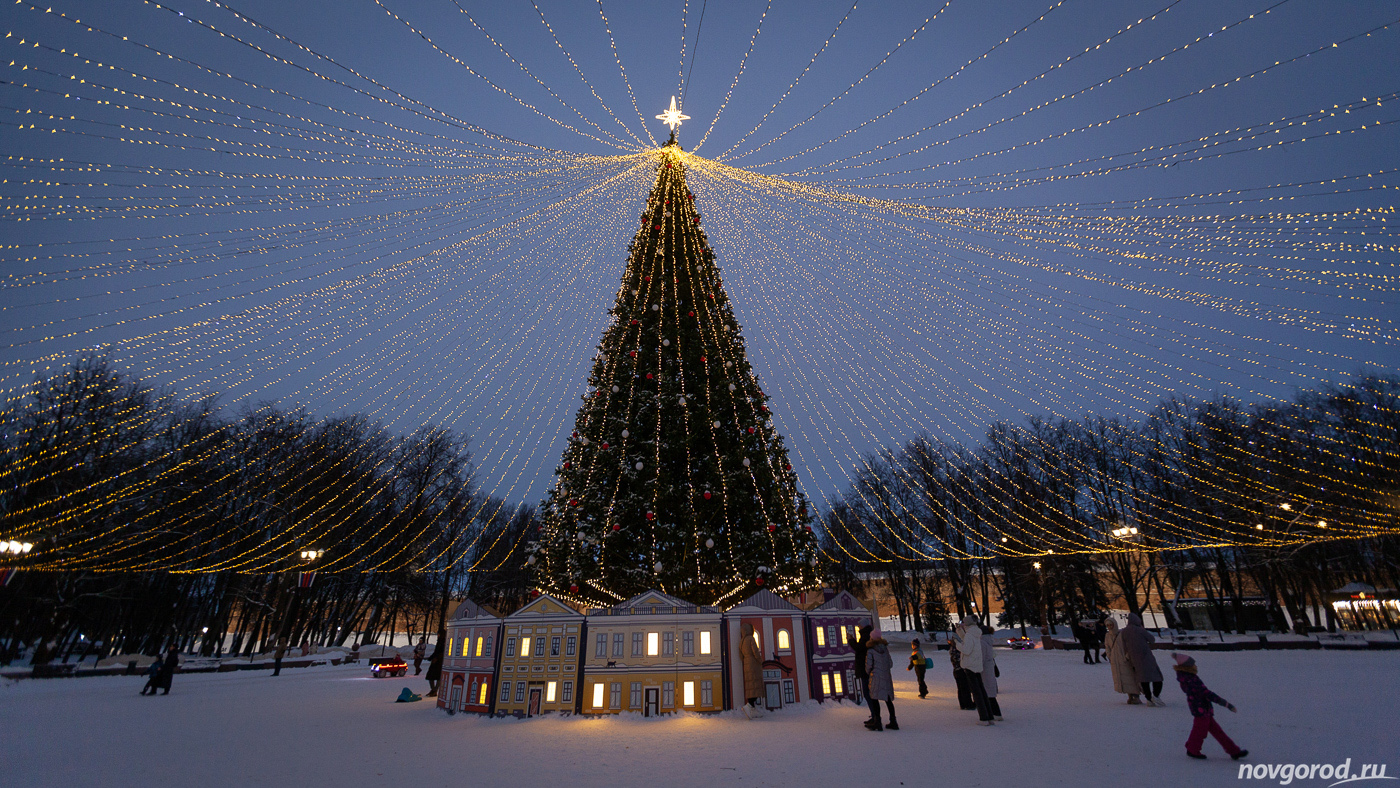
(970, 647)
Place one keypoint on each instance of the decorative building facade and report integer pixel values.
(832, 629)
(781, 632)
(469, 665)
(541, 659)
(653, 654)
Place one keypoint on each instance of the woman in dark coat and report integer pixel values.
(167, 669)
(862, 678)
(1137, 646)
(878, 663)
(434, 669)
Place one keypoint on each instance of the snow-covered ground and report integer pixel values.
(334, 726)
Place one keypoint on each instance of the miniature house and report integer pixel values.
(832, 628)
(540, 663)
(781, 631)
(469, 665)
(653, 654)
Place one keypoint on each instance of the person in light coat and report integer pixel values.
(1124, 678)
(965, 702)
(752, 661)
(1137, 645)
(878, 663)
(989, 674)
(970, 650)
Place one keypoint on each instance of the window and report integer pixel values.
(707, 693)
(471, 693)
(449, 646)
(821, 636)
(688, 693)
(784, 640)
(568, 695)
(705, 642)
(688, 644)
(484, 687)
(554, 646)
(570, 646)
(519, 692)
(539, 646)
(488, 646)
(668, 644)
(598, 695)
(653, 643)
(836, 680)
(844, 642)
(615, 696)
(510, 647)
(826, 683)
(505, 691)
(524, 647)
(617, 644)
(600, 646)
(789, 691)
(636, 695)
(831, 634)
(636, 644)
(549, 690)
(668, 694)
(851, 682)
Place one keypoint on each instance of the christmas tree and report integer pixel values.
(674, 477)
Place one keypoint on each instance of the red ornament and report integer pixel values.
(575, 435)
(617, 527)
(750, 430)
(573, 589)
(651, 515)
(568, 465)
(702, 359)
(758, 580)
(605, 445)
(631, 353)
(772, 528)
(654, 227)
(648, 376)
(802, 511)
(787, 467)
(598, 394)
(807, 528)
(646, 278)
(573, 502)
(634, 321)
(707, 495)
(711, 295)
(692, 313)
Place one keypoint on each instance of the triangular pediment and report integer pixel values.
(844, 600)
(544, 605)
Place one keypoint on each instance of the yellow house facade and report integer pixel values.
(540, 659)
(653, 654)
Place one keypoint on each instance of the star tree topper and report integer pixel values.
(672, 117)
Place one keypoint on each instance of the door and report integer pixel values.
(774, 693)
(455, 701)
(653, 704)
(534, 710)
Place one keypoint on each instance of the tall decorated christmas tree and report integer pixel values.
(674, 477)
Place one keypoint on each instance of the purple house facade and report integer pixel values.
(832, 629)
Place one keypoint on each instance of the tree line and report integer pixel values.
(156, 520)
(1216, 499)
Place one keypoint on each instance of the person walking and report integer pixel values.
(419, 651)
(1100, 632)
(277, 657)
(1199, 698)
(434, 670)
(1124, 678)
(859, 649)
(1086, 640)
(878, 663)
(151, 673)
(965, 702)
(163, 677)
(970, 644)
(990, 674)
(919, 664)
(1137, 645)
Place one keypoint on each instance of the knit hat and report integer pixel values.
(1183, 659)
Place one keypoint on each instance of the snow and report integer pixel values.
(334, 725)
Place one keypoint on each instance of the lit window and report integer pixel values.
(600, 645)
(568, 696)
(688, 644)
(668, 694)
(505, 691)
(836, 680)
(449, 646)
(636, 699)
(484, 686)
(784, 641)
(549, 690)
(826, 682)
(821, 636)
(570, 646)
(707, 693)
(524, 647)
(615, 695)
(844, 641)
(653, 643)
(636, 644)
(688, 693)
(510, 647)
(705, 642)
(598, 696)
(480, 646)
(668, 644)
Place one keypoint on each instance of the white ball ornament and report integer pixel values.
(636, 292)
(682, 400)
(531, 561)
(710, 543)
(656, 307)
(584, 441)
(616, 389)
(626, 434)
(732, 387)
(716, 425)
(665, 343)
(656, 566)
(746, 462)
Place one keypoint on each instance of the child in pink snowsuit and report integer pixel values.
(1200, 698)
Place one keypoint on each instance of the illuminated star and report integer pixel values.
(672, 117)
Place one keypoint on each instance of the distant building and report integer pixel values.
(541, 659)
(469, 665)
(832, 628)
(781, 631)
(653, 654)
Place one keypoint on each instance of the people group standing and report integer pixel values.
(1124, 677)
(970, 644)
(1137, 649)
(162, 672)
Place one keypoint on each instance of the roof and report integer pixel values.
(844, 601)
(470, 609)
(1355, 588)
(545, 605)
(767, 600)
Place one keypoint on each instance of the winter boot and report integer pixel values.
(874, 726)
(1198, 756)
(894, 724)
(1239, 755)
